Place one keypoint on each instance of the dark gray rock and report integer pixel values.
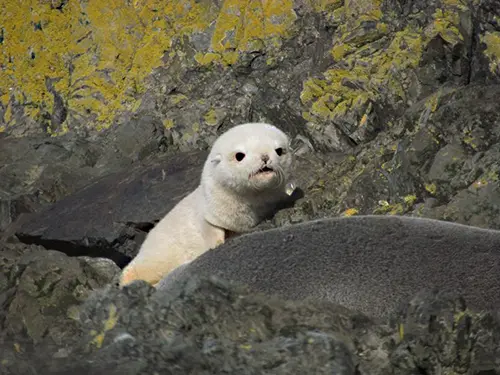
(110, 217)
(206, 327)
(210, 326)
(36, 172)
(40, 291)
(398, 163)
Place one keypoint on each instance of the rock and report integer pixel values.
(40, 291)
(447, 160)
(378, 92)
(110, 217)
(438, 334)
(36, 172)
(210, 326)
(357, 79)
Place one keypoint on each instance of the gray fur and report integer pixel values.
(368, 263)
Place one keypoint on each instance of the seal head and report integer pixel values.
(246, 172)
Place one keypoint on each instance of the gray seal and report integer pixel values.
(368, 263)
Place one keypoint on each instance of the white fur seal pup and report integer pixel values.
(244, 177)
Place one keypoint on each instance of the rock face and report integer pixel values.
(392, 106)
(104, 218)
(405, 92)
(212, 327)
(40, 290)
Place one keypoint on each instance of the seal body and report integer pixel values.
(372, 264)
(244, 177)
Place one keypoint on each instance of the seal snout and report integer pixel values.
(265, 168)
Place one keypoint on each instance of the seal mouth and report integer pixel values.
(264, 171)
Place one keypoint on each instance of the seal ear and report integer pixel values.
(217, 159)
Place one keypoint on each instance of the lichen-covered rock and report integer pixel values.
(40, 290)
(209, 326)
(440, 335)
(391, 84)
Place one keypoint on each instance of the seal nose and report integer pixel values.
(264, 157)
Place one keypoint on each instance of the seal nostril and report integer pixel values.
(264, 157)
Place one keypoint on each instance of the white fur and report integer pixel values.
(229, 197)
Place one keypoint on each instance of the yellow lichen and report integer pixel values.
(96, 54)
(211, 117)
(350, 212)
(176, 99)
(368, 69)
(410, 199)
(168, 124)
(445, 24)
(387, 208)
(244, 25)
(109, 324)
(492, 175)
(492, 41)
(363, 120)
(325, 5)
(433, 101)
(230, 58)
(206, 58)
(431, 188)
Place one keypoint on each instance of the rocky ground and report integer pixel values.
(393, 109)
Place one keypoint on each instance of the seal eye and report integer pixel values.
(239, 156)
(279, 151)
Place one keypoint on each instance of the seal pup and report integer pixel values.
(371, 264)
(245, 176)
